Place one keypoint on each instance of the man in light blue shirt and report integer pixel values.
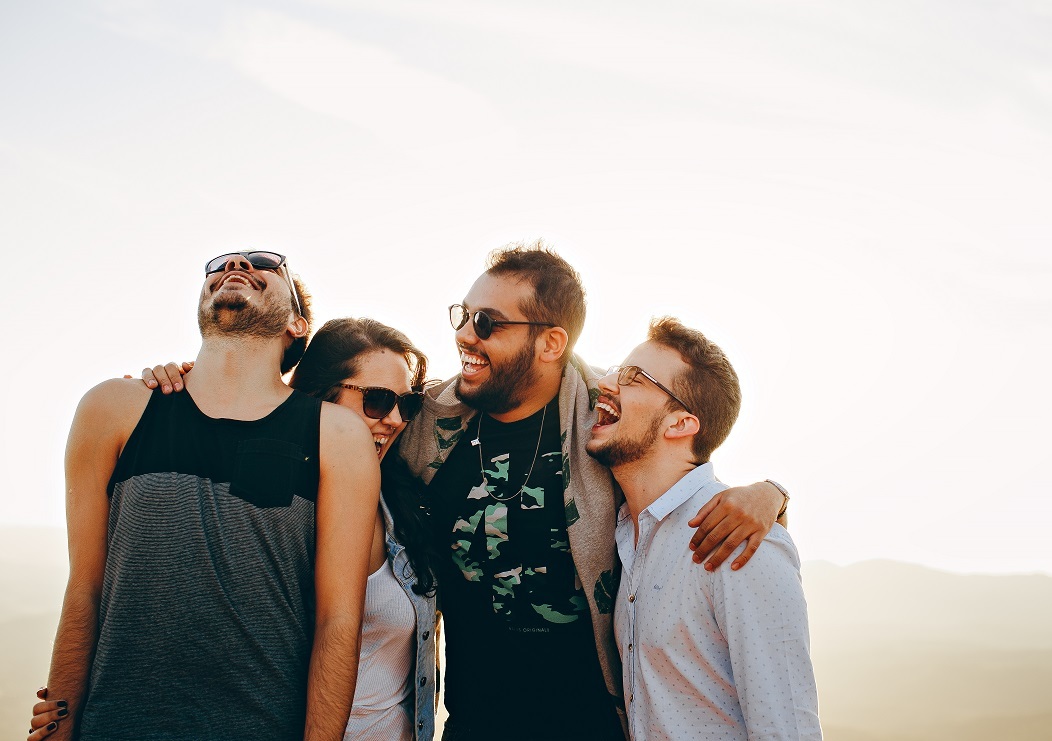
(707, 655)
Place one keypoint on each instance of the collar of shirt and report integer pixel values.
(659, 509)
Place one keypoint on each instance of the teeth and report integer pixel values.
(608, 409)
(380, 440)
(471, 359)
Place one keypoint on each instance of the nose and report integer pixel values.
(466, 334)
(608, 384)
(394, 418)
(237, 262)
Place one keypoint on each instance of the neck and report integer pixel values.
(238, 377)
(646, 479)
(538, 396)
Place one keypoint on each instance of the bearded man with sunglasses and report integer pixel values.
(712, 655)
(218, 552)
(527, 517)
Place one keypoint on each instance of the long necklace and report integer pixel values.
(477, 442)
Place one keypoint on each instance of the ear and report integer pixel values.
(553, 344)
(686, 425)
(297, 327)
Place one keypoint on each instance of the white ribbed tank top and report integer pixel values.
(383, 700)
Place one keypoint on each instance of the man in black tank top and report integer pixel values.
(218, 552)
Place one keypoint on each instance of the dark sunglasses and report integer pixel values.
(260, 260)
(481, 322)
(626, 374)
(377, 401)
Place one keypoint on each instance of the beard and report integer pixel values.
(507, 386)
(619, 451)
(230, 313)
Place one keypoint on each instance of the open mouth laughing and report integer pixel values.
(236, 277)
(608, 413)
(380, 441)
(471, 363)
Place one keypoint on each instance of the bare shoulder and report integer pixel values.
(343, 432)
(118, 400)
(105, 419)
(347, 454)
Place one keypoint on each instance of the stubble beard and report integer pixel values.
(233, 314)
(620, 451)
(507, 386)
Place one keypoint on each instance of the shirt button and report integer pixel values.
(420, 725)
(632, 697)
(631, 598)
(629, 646)
(423, 681)
(427, 634)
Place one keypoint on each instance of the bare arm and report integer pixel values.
(348, 495)
(100, 428)
(732, 517)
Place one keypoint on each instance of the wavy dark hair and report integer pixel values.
(335, 353)
(558, 294)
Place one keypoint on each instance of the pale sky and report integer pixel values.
(851, 198)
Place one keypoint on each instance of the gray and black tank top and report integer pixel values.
(207, 609)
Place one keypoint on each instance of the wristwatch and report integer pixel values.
(785, 504)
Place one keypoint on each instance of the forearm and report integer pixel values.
(332, 678)
(72, 656)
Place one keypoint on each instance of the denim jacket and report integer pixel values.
(425, 689)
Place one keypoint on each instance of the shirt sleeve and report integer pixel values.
(763, 615)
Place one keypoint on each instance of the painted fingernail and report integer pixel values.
(178, 386)
(62, 712)
(166, 388)
(63, 704)
(708, 567)
(735, 566)
(151, 384)
(52, 726)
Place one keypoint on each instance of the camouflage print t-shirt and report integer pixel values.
(520, 654)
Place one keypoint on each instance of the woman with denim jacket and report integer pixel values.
(376, 371)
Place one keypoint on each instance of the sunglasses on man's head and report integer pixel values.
(481, 322)
(627, 373)
(260, 260)
(377, 401)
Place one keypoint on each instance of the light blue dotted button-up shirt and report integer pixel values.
(711, 655)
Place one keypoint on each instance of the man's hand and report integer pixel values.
(169, 377)
(737, 515)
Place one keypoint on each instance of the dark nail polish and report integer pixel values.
(62, 712)
(52, 726)
(63, 704)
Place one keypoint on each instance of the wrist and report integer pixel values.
(785, 494)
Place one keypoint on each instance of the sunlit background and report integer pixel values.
(851, 198)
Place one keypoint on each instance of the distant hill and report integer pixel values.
(33, 571)
(902, 652)
(913, 654)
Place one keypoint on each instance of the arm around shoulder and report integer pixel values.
(348, 496)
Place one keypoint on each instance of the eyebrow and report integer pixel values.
(493, 313)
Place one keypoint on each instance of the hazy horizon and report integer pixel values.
(956, 658)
